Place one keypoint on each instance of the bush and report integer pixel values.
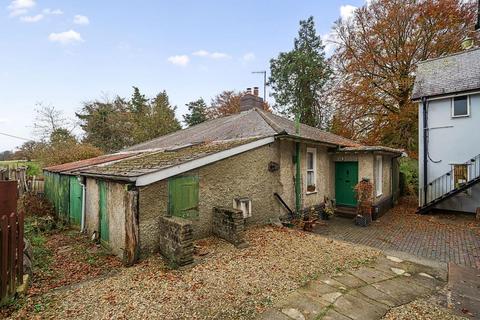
(408, 176)
(33, 205)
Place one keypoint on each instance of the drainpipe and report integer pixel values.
(82, 223)
(425, 149)
(298, 191)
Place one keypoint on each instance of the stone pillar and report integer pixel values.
(228, 224)
(176, 240)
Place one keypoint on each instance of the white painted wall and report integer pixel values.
(451, 140)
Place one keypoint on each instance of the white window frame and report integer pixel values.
(378, 175)
(452, 107)
(313, 151)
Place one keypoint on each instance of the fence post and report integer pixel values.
(20, 246)
(12, 221)
(3, 256)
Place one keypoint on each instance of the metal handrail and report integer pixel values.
(446, 184)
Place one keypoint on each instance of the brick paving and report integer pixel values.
(441, 237)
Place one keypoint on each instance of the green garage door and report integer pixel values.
(102, 208)
(346, 178)
(76, 192)
(183, 196)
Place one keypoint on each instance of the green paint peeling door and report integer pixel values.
(346, 178)
(76, 192)
(183, 196)
(102, 208)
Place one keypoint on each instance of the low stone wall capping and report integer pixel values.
(228, 224)
(176, 240)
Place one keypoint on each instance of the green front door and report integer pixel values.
(102, 210)
(76, 191)
(346, 178)
(183, 196)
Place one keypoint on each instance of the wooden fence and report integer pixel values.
(11, 254)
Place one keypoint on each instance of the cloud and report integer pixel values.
(347, 11)
(329, 40)
(20, 7)
(55, 12)
(201, 53)
(82, 20)
(66, 37)
(32, 19)
(249, 56)
(211, 55)
(179, 60)
(4, 120)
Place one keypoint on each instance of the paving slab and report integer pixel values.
(350, 281)
(317, 288)
(464, 288)
(334, 315)
(401, 290)
(374, 294)
(309, 307)
(372, 275)
(359, 309)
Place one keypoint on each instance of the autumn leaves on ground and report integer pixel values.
(225, 282)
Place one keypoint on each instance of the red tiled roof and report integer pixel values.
(88, 162)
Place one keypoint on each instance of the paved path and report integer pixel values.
(364, 294)
(440, 237)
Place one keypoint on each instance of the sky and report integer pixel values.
(64, 53)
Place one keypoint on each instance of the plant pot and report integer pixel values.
(363, 221)
(324, 216)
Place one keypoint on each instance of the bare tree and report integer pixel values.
(49, 119)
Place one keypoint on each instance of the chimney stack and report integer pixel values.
(251, 100)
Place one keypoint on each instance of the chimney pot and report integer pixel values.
(249, 90)
(255, 91)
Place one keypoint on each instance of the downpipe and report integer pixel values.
(82, 222)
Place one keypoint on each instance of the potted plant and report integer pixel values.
(364, 194)
(328, 210)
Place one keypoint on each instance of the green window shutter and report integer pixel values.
(183, 196)
(102, 208)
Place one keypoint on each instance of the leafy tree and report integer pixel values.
(139, 103)
(226, 103)
(198, 112)
(6, 155)
(298, 77)
(107, 124)
(158, 120)
(375, 60)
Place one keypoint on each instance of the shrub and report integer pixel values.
(408, 176)
(33, 205)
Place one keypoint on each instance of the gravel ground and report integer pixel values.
(228, 283)
(420, 310)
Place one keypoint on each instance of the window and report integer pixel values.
(461, 106)
(245, 205)
(378, 175)
(311, 170)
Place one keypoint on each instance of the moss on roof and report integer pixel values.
(156, 160)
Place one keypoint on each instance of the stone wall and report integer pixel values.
(242, 176)
(176, 240)
(228, 224)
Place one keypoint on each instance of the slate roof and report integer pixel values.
(254, 123)
(71, 166)
(153, 161)
(454, 73)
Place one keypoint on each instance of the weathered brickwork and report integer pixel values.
(228, 224)
(176, 240)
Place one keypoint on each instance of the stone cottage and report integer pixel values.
(244, 161)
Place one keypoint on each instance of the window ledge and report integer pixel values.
(311, 192)
(379, 194)
(461, 116)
